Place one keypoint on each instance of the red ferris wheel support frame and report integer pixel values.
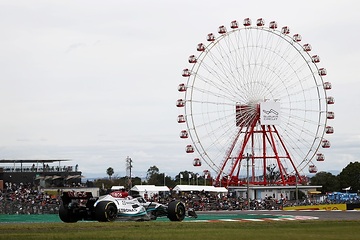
(269, 134)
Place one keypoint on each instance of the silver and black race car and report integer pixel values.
(118, 205)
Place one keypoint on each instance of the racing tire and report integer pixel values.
(67, 215)
(176, 211)
(106, 211)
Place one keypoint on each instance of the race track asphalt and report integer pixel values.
(214, 216)
(319, 214)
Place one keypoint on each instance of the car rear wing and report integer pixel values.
(68, 196)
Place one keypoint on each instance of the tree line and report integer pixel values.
(153, 177)
(349, 177)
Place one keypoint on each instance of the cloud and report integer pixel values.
(74, 47)
(112, 94)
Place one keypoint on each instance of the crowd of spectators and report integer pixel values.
(30, 199)
(27, 199)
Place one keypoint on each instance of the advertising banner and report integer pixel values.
(270, 113)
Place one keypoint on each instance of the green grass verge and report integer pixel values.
(311, 229)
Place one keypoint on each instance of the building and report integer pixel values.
(275, 191)
(199, 188)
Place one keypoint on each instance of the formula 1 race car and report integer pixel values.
(118, 205)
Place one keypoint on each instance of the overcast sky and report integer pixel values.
(96, 81)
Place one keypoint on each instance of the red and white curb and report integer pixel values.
(277, 219)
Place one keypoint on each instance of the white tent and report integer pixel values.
(149, 189)
(199, 188)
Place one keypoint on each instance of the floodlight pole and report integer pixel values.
(247, 181)
(129, 166)
(296, 190)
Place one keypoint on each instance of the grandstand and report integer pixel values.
(45, 173)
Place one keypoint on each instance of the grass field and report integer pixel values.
(311, 229)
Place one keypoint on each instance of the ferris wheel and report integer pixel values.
(254, 105)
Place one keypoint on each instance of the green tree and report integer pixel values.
(350, 176)
(328, 181)
(272, 173)
(124, 181)
(153, 176)
(110, 172)
(170, 183)
(152, 171)
(104, 184)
